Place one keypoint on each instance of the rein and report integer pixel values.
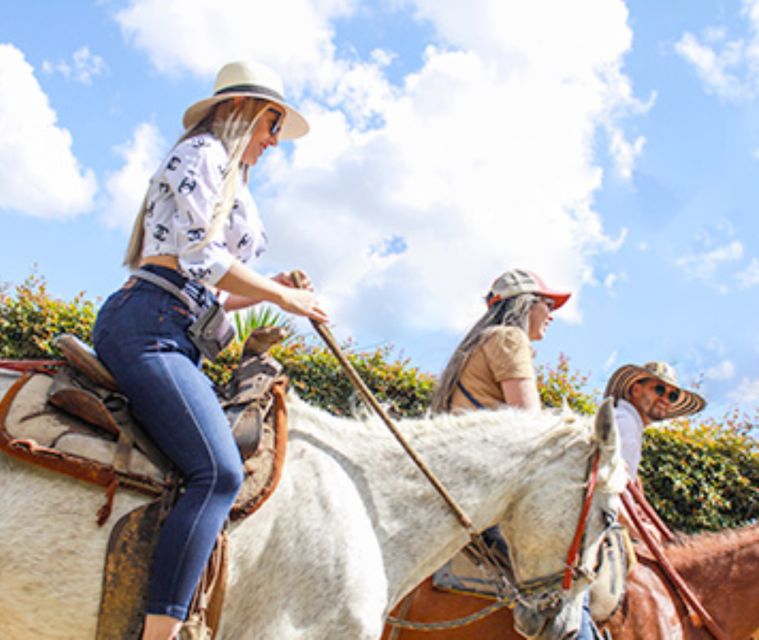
(540, 593)
(697, 612)
(22, 366)
(574, 549)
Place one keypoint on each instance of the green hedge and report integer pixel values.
(701, 475)
(698, 474)
(320, 380)
(30, 319)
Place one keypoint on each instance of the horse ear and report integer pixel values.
(606, 426)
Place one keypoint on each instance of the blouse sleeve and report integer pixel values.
(509, 354)
(194, 174)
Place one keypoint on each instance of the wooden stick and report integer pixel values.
(371, 400)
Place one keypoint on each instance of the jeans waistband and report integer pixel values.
(198, 292)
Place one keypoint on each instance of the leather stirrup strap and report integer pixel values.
(645, 505)
(698, 614)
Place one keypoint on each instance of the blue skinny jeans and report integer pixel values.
(140, 335)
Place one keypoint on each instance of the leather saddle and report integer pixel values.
(76, 422)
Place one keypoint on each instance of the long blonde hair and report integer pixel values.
(232, 122)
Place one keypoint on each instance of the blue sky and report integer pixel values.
(612, 147)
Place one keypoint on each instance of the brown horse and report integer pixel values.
(722, 569)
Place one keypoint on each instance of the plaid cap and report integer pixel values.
(626, 376)
(517, 281)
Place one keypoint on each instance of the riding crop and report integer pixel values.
(372, 401)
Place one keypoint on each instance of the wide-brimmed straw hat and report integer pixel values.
(517, 281)
(249, 80)
(626, 376)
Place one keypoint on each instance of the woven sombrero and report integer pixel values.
(625, 377)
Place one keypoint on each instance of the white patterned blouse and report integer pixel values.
(180, 205)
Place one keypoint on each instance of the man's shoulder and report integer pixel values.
(624, 411)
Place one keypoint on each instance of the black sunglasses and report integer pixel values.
(276, 124)
(673, 395)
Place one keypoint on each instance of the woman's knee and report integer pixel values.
(218, 475)
(229, 477)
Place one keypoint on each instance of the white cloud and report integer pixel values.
(714, 67)
(746, 393)
(83, 67)
(293, 36)
(703, 266)
(39, 174)
(611, 280)
(721, 371)
(126, 187)
(727, 67)
(481, 159)
(749, 277)
(624, 152)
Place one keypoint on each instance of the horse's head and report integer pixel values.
(550, 527)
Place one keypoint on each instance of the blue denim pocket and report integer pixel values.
(107, 315)
(143, 318)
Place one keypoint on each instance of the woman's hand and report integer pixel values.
(248, 287)
(287, 280)
(303, 303)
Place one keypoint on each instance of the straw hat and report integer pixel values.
(248, 80)
(625, 377)
(517, 281)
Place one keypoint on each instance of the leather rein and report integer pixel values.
(540, 593)
(543, 593)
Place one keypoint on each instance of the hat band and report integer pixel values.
(251, 88)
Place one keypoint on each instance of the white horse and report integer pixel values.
(352, 527)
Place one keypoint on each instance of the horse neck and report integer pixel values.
(483, 460)
(723, 570)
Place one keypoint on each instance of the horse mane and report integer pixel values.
(550, 432)
(691, 550)
(546, 428)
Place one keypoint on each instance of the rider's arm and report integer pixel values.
(247, 286)
(521, 392)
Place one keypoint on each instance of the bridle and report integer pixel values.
(547, 592)
(539, 594)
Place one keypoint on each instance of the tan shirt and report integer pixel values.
(506, 354)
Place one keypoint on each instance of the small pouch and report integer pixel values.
(212, 332)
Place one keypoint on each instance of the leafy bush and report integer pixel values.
(320, 380)
(699, 474)
(560, 383)
(702, 474)
(30, 320)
